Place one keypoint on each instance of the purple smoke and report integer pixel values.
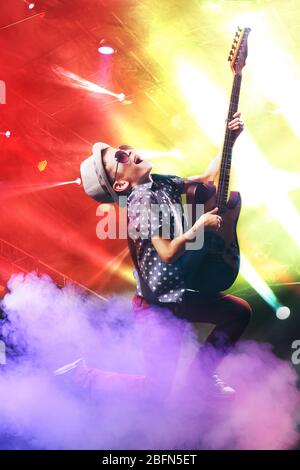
(48, 327)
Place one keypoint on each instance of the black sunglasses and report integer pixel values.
(121, 157)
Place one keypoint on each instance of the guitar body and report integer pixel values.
(215, 266)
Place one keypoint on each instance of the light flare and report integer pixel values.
(201, 93)
(78, 82)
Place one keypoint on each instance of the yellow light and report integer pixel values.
(273, 70)
(113, 267)
(153, 154)
(213, 5)
(105, 207)
(42, 165)
(207, 103)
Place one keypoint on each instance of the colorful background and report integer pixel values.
(170, 61)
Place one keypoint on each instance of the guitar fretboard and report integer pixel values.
(223, 184)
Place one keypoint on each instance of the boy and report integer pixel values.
(113, 172)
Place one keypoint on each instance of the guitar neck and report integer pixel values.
(223, 183)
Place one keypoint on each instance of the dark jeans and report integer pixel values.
(229, 314)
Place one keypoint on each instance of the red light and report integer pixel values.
(31, 6)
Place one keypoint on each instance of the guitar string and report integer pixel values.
(226, 162)
(234, 99)
(224, 155)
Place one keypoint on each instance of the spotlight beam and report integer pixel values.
(258, 284)
(78, 82)
(13, 190)
(270, 66)
(21, 21)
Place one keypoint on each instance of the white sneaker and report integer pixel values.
(68, 367)
(221, 389)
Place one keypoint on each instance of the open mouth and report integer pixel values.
(137, 159)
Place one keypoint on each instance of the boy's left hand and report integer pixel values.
(236, 125)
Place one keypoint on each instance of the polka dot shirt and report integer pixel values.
(156, 208)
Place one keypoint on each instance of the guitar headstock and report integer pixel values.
(238, 54)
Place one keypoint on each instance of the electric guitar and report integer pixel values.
(216, 266)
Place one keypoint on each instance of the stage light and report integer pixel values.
(121, 97)
(282, 313)
(30, 5)
(78, 82)
(6, 134)
(77, 181)
(105, 48)
(177, 154)
(42, 165)
(126, 102)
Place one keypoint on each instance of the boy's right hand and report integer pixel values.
(210, 219)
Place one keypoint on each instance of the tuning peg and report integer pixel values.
(229, 58)
(239, 29)
(237, 35)
(236, 41)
